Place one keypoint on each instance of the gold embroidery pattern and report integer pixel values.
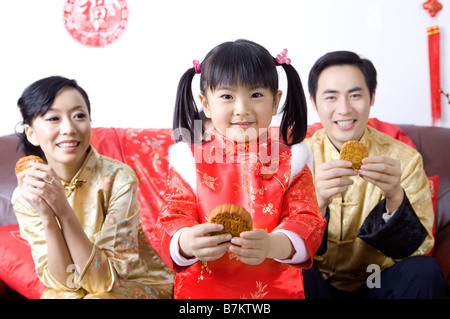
(232, 256)
(209, 180)
(259, 293)
(269, 209)
(204, 268)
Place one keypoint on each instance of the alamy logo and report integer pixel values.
(263, 142)
(75, 273)
(374, 279)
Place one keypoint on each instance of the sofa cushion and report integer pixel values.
(433, 145)
(7, 215)
(8, 147)
(145, 150)
(16, 264)
(434, 183)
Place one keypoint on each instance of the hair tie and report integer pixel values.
(197, 68)
(282, 58)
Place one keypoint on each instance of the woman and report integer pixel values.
(80, 212)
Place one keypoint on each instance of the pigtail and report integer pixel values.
(294, 122)
(186, 111)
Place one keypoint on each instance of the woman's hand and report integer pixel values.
(197, 242)
(41, 187)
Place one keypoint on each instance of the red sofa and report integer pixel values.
(146, 151)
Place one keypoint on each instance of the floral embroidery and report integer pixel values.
(204, 267)
(259, 293)
(252, 191)
(285, 156)
(209, 180)
(259, 191)
(232, 256)
(269, 209)
(239, 188)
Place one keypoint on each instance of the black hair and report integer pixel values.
(342, 58)
(36, 100)
(248, 64)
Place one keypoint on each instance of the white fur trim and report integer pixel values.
(301, 156)
(182, 160)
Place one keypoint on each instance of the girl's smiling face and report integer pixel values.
(63, 132)
(240, 113)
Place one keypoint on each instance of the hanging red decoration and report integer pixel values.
(433, 7)
(96, 23)
(435, 73)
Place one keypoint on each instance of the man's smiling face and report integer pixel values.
(343, 103)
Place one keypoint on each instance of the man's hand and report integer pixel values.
(330, 180)
(385, 173)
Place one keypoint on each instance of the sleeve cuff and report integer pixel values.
(397, 239)
(175, 251)
(388, 215)
(301, 252)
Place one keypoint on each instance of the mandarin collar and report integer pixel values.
(82, 174)
(263, 138)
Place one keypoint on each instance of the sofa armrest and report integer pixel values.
(441, 253)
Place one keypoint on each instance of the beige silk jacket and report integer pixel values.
(103, 196)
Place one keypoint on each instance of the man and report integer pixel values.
(380, 217)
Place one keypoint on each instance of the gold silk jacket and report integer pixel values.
(103, 196)
(345, 262)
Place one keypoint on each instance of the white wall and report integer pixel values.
(132, 82)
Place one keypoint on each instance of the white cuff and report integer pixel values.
(386, 216)
(175, 250)
(301, 253)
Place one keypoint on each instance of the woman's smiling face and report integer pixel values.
(64, 131)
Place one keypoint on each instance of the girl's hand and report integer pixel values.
(41, 187)
(254, 246)
(197, 242)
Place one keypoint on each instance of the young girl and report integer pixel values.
(241, 164)
(79, 212)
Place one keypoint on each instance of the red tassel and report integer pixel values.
(435, 73)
